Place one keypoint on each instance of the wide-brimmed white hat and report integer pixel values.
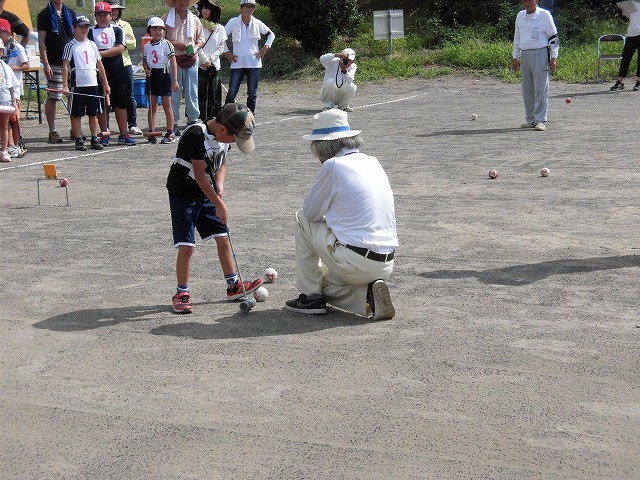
(330, 125)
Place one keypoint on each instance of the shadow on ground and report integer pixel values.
(257, 323)
(89, 319)
(261, 324)
(529, 273)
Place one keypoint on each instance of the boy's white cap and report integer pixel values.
(252, 2)
(1, 44)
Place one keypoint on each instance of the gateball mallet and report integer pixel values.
(247, 302)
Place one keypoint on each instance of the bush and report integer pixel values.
(315, 24)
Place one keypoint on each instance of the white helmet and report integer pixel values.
(155, 22)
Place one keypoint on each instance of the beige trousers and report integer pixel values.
(332, 95)
(343, 275)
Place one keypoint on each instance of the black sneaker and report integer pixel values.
(617, 86)
(96, 145)
(176, 131)
(636, 87)
(80, 145)
(312, 305)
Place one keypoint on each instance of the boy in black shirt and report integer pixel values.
(196, 185)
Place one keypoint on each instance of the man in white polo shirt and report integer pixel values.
(348, 223)
(244, 53)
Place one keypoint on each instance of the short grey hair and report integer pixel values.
(326, 149)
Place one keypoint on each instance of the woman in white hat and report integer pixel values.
(209, 83)
(348, 222)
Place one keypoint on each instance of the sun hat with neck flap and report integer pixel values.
(331, 125)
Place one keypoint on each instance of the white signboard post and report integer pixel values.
(387, 25)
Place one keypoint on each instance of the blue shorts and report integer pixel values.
(187, 215)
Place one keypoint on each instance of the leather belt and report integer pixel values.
(366, 253)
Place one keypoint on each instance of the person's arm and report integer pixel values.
(23, 58)
(554, 42)
(198, 39)
(129, 36)
(65, 77)
(515, 63)
(103, 78)
(264, 30)
(174, 74)
(119, 46)
(22, 30)
(46, 68)
(203, 182)
(220, 177)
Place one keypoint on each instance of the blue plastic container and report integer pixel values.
(138, 93)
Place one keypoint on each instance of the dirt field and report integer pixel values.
(515, 352)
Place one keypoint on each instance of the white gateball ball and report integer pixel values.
(545, 172)
(270, 275)
(474, 116)
(260, 294)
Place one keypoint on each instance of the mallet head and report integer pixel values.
(247, 304)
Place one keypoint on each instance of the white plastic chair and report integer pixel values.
(615, 37)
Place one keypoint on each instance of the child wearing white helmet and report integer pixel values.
(161, 68)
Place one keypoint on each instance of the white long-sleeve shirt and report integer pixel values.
(333, 72)
(353, 192)
(533, 31)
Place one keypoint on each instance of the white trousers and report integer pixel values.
(343, 276)
(332, 95)
(534, 65)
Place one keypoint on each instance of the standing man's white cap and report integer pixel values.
(252, 2)
(349, 52)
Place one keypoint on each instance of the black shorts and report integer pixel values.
(120, 93)
(159, 83)
(81, 105)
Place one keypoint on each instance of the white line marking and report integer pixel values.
(55, 160)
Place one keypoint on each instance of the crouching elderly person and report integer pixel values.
(348, 223)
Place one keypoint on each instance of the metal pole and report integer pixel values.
(390, 39)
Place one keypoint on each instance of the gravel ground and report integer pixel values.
(514, 352)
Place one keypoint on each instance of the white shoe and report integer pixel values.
(13, 151)
(528, 125)
(348, 108)
(4, 157)
(382, 306)
(135, 131)
(540, 127)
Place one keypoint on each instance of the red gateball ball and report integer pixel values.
(493, 174)
(64, 182)
(568, 100)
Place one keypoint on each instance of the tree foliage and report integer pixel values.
(314, 24)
